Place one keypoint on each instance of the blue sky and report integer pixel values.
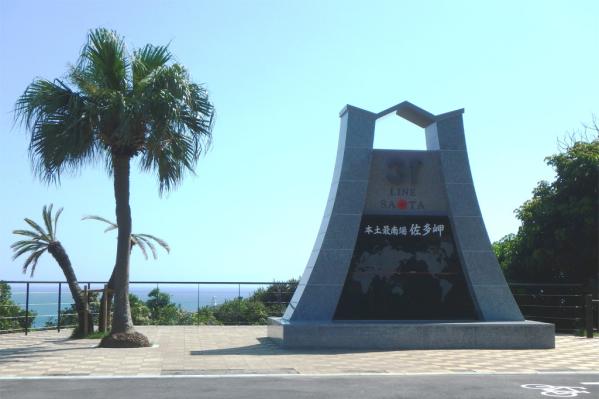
(278, 72)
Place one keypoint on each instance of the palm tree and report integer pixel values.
(114, 106)
(141, 240)
(39, 241)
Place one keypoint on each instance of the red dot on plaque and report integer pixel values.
(402, 204)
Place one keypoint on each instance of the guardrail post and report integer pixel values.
(85, 304)
(27, 310)
(588, 314)
(59, 305)
(105, 308)
(198, 311)
(238, 304)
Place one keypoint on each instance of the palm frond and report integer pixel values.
(47, 216)
(180, 121)
(149, 244)
(29, 233)
(141, 245)
(111, 225)
(62, 125)
(18, 251)
(141, 240)
(39, 229)
(104, 59)
(159, 241)
(21, 243)
(32, 261)
(146, 60)
(56, 216)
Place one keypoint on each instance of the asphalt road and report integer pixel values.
(320, 387)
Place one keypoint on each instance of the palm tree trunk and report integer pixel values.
(122, 321)
(60, 255)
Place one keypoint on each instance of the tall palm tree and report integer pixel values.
(114, 106)
(39, 241)
(139, 240)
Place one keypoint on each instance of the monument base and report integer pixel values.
(412, 334)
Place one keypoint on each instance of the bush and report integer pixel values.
(165, 312)
(140, 313)
(275, 297)
(241, 311)
(12, 316)
(205, 316)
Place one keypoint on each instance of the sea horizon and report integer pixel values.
(43, 297)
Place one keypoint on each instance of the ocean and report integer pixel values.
(43, 298)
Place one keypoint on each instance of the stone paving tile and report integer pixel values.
(246, 350)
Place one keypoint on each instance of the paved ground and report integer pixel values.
(520, 386)
(210, 350)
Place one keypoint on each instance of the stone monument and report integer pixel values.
(402, 259)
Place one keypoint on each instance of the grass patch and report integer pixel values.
(96, 335)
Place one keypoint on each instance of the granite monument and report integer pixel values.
(403, 259)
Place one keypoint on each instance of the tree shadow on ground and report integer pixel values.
(19, 354)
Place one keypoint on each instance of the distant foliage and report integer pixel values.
(264, 302)
(557, 241)
(159, 309)
(241, 311)
(275, 297)
(165, 312)
(139, 311)
(68, 314)
(12, 316)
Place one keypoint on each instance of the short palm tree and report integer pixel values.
(141, 241)
(116, 105)
(40, 240)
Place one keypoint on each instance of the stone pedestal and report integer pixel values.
(412, 335)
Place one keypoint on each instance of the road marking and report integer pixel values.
(225, 376)
(590, 383)
(557, 391)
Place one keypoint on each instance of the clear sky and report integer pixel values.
(278, 72)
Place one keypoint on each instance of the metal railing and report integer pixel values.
(34, 299)
(565, 305)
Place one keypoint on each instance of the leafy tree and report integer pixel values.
(505, 250)
(140, 241)
(205, 316)
(116, 105)
(241, 311)
(40, 240)
(275, 297)
(12, 316)
(558, 238)
(139, 311)
(165, 312)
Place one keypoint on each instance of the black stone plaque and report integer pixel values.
(405, 268)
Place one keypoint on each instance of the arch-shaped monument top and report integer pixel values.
(402, 258)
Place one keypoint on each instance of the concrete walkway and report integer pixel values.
(210, 350)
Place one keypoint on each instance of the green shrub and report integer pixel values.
(275, 297)
(12, 316)
(241, 311)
